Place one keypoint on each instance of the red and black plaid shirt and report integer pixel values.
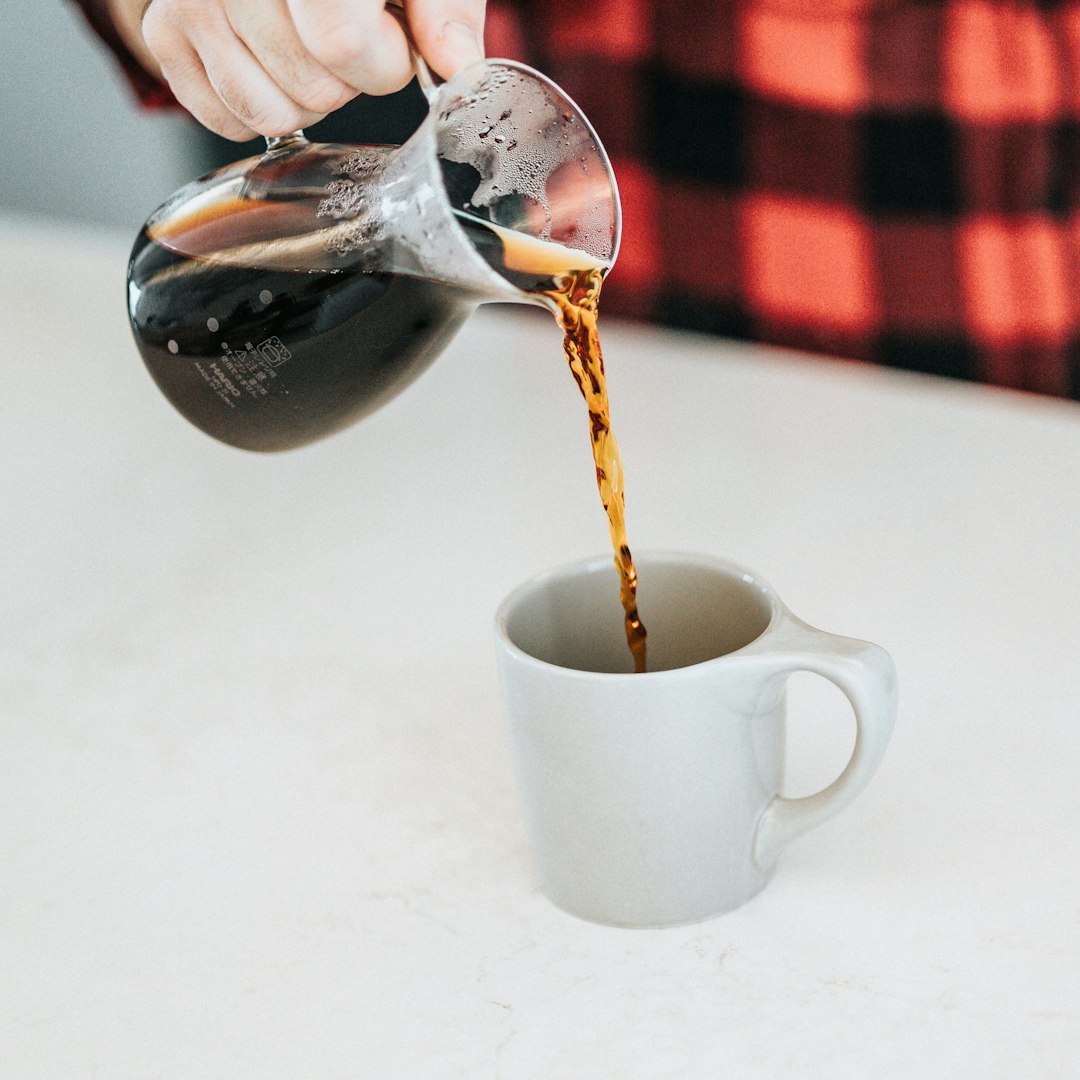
(890, 180)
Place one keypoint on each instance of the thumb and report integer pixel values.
(448, 33)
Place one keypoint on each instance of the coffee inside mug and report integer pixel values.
(695, 611)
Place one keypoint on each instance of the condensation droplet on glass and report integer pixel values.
(266, 296)
(212, 324)
(174, 348)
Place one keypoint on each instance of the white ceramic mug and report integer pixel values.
(653, 799)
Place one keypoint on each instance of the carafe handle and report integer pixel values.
(424, 75)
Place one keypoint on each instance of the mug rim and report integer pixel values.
(530, 586)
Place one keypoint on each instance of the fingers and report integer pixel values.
(183, 70)
(273, 66)
(214, 75)
(358, 40)
(268, 31)
(448, 33)
(246, 89)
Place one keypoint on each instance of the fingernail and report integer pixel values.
(463, 41)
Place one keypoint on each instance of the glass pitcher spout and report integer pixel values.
(286, 296)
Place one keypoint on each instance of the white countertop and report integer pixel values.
(257, 817)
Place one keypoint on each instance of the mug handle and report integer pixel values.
(867, 676)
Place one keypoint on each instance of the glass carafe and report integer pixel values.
(280, 299)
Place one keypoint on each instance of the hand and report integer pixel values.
(269, 67)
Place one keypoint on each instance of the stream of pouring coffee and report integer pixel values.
(570, 282)
(576, 312)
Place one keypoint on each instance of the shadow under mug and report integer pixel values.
(653, 799)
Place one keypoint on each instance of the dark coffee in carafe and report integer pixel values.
(265, 354)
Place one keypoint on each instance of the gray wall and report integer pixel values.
(73, 143)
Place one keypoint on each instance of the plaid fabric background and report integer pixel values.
(879, 179)
(890, 180)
